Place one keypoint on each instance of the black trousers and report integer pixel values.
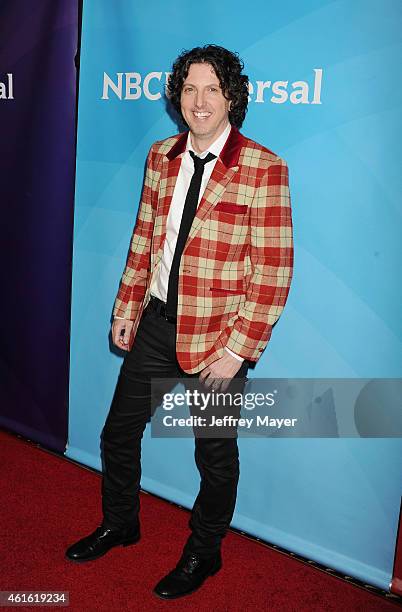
(154, 355)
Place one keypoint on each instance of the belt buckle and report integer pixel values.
(166, 316)
(162, 310)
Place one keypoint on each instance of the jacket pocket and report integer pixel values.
(238, 209)
(227, 291)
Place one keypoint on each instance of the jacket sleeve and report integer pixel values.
(134, 279)
(271, 263)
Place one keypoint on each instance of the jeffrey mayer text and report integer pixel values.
(227, 421)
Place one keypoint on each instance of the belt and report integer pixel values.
(160, 308)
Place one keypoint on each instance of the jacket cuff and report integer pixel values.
(234, 354)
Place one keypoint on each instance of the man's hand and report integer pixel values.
(121, 329)
(220, 372)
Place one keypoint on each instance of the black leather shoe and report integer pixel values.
(188, 575)
(100, 542)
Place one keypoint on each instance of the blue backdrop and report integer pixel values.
(326, 98)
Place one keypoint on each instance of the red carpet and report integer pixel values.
(49, 502)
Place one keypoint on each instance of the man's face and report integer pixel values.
(203, 104)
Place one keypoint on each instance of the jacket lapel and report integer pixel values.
(220, 178)
(223, 172)
(169, 173)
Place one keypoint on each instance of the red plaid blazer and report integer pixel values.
(237, 263)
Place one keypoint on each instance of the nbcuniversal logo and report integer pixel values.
(133, 86)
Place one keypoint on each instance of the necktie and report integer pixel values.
(189, 210)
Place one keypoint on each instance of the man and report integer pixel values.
(207, 277)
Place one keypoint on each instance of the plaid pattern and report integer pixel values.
(237, 264)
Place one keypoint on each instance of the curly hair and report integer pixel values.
(227, 66)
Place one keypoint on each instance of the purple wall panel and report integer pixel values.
(37, 152)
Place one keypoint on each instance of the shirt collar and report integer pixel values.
(215, 148)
